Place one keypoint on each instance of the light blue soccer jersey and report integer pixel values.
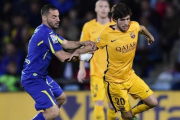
(42, 45)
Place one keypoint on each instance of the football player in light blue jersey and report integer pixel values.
(44, 43)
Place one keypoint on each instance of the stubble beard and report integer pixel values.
(51, 25)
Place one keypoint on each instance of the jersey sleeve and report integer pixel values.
(101, 41)
(138, 26)
(54, 42)
(85, 34)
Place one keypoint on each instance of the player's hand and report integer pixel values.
(81, 75)
(74, 57)
(86, 43)
(149, 39)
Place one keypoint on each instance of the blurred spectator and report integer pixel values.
(73, 15)
(177, 4)
(11, 55)
(88, 16)
(176, 75)
(153, 3)
(147, 55)
(6, 32)
(21, 6)
(6, 12)
(170, 27)
(175, 53)
(151, 14)
(18, 23)
(34, 17)
(85, 6)
(5, 35)
(163, 81)
(10, 81)
(63, 6)
(25, 36)
(160, 7)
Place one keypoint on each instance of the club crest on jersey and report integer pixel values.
(98, 39)
(54, 38)
(132, 34)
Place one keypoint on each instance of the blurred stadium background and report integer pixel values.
(158, 64)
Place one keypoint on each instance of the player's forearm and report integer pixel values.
(86, 49)
(145, 32)
(82, 65)
(64, 56)
(72, 45)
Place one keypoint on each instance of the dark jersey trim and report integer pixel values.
(107, 63)
(110, 98)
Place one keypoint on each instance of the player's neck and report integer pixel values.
(119, 29)
(47, 25)
(103, 21)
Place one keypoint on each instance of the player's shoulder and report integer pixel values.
(112, 22)
(42, 30)
(134, 23)
(108, 29)
(91, 22)
(134, 26)
(39, 30)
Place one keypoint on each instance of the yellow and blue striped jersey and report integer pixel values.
(43, 43)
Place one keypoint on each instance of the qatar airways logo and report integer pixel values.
(126, 48)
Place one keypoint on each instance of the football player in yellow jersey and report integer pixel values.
(120, 41)
(91, 31)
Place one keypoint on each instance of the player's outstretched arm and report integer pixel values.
(148, 35)
(83, 51)
(75, 57)
(64, 56)
(74, 45)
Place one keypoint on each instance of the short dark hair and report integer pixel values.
(120, 10)
(45, 9)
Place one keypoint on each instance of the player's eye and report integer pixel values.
(54, 17)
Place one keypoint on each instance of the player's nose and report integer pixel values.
(58, 19)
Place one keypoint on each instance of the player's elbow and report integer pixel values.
(142, 28)
(64, 46)
(62, 55)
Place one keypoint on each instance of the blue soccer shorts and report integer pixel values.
(44, 90)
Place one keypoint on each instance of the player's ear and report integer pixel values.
(95, 9)
(43, 17)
